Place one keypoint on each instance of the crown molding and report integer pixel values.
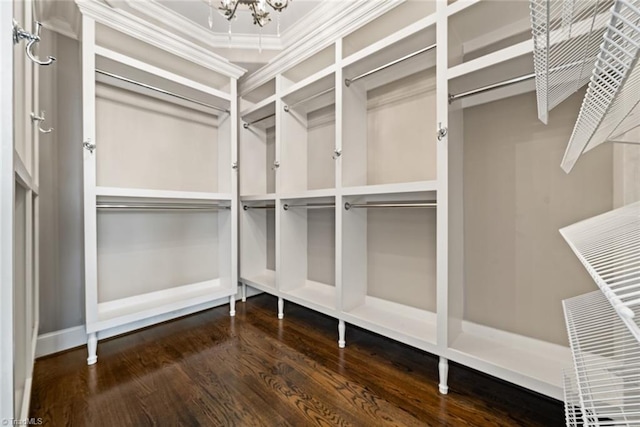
(344, 21)
(209, 39)
(138, 28)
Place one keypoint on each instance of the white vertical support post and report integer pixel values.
(342, 330)
(442, 234)
(89, 156)
(443, 370)
(92, 348)
(280, 308)
(7, 188)
(338, 175)
(234, 192)
(277, 190)
(232, 305)
(244, 292)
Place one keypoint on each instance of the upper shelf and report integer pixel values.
(608, 245)
(614, 87)
(566, 36)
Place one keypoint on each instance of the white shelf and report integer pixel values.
(132, 309)
(259, 110)
(160, 194)
(498, 58)
(309, 194)
(319, 296)
(140, 66)
(390, 40)
(530, 363)
(607, 362)
(614, 87)
(312, 85)
(266, 279)
(608, 246)
(404, 187)
(258, 197)
(566, 36)
(406, 324)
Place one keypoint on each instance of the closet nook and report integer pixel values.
(160, 192)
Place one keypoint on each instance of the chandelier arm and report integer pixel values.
(233, 12)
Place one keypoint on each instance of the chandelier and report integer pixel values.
(258, 10)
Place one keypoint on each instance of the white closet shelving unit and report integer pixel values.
(160, 183)
(430, 104)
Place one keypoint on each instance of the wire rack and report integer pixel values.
(608, 245)
(607, 365)
(572, 412)
(566, 36)
(614, 87)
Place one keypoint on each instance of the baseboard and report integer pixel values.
(57, 341)
(54, 342)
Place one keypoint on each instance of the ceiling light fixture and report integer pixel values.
(258, 8)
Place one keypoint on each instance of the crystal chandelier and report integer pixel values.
(258, 8)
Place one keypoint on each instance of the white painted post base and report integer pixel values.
(280, 308)
(244, 292)
(92, 348)
(443, 368)
(232, 305)
(341, 334)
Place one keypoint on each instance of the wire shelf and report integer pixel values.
(572, 413)
(566, 41)
(607, 365)
(608, 246)
(614, 87)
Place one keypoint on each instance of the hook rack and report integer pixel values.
(40, 119)
(20, 33)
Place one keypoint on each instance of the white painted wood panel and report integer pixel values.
(145, 143)
(141, 252)
(515, 200)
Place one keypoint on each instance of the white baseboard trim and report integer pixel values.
(54, 342)
(57, 341)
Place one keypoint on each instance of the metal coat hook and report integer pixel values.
(20, 33)
(40, 119)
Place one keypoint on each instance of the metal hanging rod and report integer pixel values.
(247, 124)
(348, 82)
(167, 207)
(157, 89)
(286, 206)
(287, 108)
(430, 204)
(247, 207)
(491, 87)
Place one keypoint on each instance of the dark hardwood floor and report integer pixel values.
(255, 370)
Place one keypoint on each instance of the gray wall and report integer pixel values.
(61, 218)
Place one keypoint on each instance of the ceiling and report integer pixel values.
(198, 11)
